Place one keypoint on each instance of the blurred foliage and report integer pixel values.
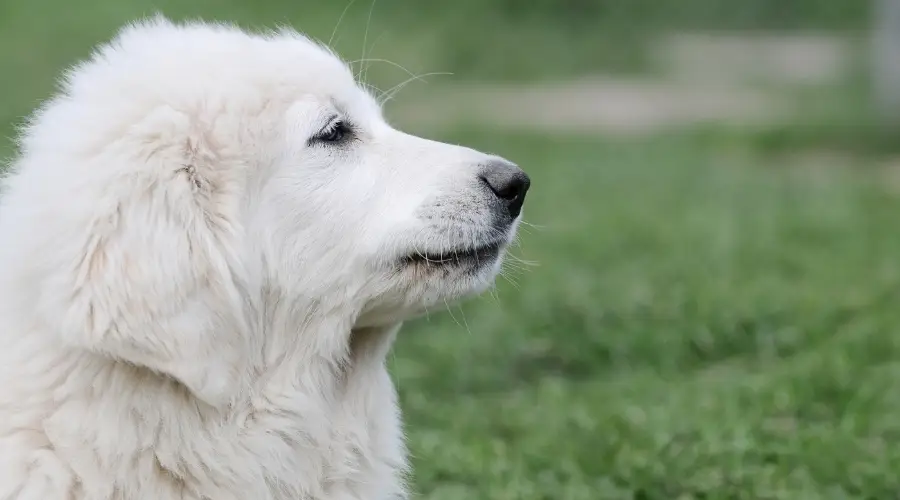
(643, 14)
(508, 39)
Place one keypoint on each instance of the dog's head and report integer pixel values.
(186, 173)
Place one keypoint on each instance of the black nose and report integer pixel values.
(508, 182)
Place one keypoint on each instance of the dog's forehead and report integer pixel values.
(320, 74)
(356, 104)
(207, 72)
(336, 90)
(356, 107)
(226, 55)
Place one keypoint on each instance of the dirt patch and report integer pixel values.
(780, 59)
(706, 79)
(606, 105)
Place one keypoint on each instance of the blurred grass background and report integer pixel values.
(714, 210)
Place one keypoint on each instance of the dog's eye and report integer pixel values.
(335, 132)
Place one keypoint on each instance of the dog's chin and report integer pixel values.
(472, 260)
(423, 280)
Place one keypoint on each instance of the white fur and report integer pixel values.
(195, 300)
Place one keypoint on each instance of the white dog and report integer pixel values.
(207, 245)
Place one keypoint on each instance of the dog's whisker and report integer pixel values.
(365, 67)
(393, 91)
(338, 24)
(462, 314)
(450, 311)
(387, 61)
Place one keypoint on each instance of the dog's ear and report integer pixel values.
(150, 279)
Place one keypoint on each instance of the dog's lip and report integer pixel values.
(480, 253)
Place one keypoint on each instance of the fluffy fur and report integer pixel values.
(198, 286)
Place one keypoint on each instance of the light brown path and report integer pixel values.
(706, 79)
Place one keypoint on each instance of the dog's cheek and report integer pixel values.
(213, 372)
(148, 278)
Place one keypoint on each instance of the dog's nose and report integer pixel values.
(508, 182)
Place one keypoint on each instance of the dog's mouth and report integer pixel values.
(462, 257)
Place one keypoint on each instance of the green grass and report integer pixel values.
(704, 323)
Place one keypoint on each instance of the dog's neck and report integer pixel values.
(314, 341)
